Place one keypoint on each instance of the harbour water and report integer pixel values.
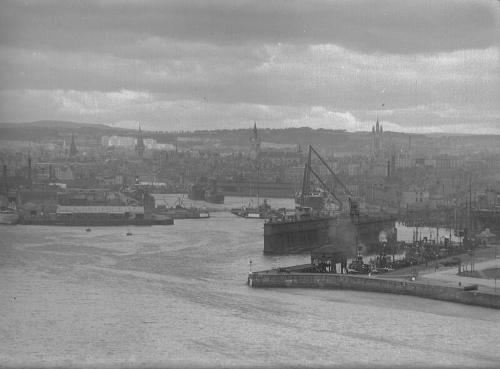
(177, 296)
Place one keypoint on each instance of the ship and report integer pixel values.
(325, 214)
(263, 211)
(181, 212)
(8, 216)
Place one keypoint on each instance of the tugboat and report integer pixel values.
(263, 211)
(358, 266)
(179, 211)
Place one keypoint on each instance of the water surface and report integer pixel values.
(177, 295)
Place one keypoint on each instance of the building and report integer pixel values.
(415, 198)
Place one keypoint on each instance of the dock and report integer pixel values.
(431, 287)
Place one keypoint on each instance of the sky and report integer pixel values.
(420, 66)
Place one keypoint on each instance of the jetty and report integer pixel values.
(477, 287)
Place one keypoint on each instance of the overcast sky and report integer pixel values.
(423, 66)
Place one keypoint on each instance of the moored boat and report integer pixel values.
(179, 211)
(263, 211)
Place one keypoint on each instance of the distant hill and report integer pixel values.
(53, 129)
(330, 141)
(53, 124)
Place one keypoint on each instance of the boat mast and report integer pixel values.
(307, 178)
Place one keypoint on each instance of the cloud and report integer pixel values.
(267, 74)
(221, 64)
(387, 26)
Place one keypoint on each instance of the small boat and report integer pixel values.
(248, 212)
(263, 211)
(8, 216)
(129, 233)
(88, 230)
(180, 211)
(358, 266)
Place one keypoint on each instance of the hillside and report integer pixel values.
(54, 129)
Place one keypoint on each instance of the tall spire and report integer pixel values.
(139, 148)
(72, 149)
(255, 141)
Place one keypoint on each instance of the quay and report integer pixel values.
(97, 222)
(442, 284)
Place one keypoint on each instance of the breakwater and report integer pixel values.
(275, 279)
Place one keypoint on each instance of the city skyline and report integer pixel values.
(420, 67)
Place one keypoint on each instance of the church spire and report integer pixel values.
(255, 141)
(139, 148)
(72, 149)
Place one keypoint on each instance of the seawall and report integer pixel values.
(364, 283)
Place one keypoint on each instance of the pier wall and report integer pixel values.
(360, 283)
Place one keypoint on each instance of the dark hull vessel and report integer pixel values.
(263, 211)
(84, 222)
(180, 212)
(314, 226)
(251, 213)
(295, 236)
(282, 237)
(254, 213)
